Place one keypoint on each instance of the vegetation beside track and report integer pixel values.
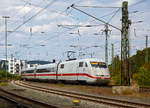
(139, 69)
(4, 78)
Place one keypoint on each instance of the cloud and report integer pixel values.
(2, 28)
(38, 28)
(90, 3)
(47, 22)
(47, 16)
(42, 17)
(24, 9)
(18, 35)
(45, 27)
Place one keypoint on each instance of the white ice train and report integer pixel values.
(91, 71)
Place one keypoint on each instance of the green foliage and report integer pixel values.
(140, 70)
(2, 74)
(3, 84)
(127, 92)
(9, 76)
(142, 77)
(115, 70)
(139, 59)
(16, 77)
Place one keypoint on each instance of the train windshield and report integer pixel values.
(98, 64)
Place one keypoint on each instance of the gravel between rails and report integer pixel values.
(6, 104)
(90, 90)
(60, 101)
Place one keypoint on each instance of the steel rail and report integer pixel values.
(97, 99)
(17, 104)
(23, 105)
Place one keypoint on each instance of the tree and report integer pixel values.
(143, 75)
(116, 70)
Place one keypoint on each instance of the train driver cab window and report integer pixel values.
(98, 64)
(86, 64)
(80, 64)
(62, 66)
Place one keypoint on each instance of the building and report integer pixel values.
(14, 66)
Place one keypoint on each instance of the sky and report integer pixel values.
(34, 32)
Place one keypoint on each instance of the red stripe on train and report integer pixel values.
(72, 74)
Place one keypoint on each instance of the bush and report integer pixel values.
(143, 75)
(127, 92)
(3, 84)
(16, 77)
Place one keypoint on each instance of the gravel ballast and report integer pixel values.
(52, 99)
(96, 91)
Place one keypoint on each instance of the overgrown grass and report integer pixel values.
(3, 84)
(127, 92)
(61, 84)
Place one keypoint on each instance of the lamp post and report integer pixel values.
(6, 17)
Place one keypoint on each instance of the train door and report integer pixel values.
(34, 71)
(82, 71)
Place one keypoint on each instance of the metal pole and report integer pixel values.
(146, 56)
(125, 79)
(6, 42)
(112, 62)
(129, 73)
(112, 53)
(106, 44)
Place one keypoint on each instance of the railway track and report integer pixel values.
(9, 102)
(23, 102)
(91, 98)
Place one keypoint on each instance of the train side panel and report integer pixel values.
(29, 73)
(87, 70)
(67, 71)
(83, 71)
(47, 72)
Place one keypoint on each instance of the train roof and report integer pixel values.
(84, 60)
(72, 61)
(40, 66)
(46, 65)
(30, 68)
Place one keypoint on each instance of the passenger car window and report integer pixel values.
(80, 64)
(42, 70)
(30, 71)
(62, 66)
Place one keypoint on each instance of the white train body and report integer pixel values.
(84, 70)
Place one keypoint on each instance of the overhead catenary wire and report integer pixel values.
(73, 6)
(114, 15)
(98, 6)
(33, 16)
(61, 25)
(61, 13)
(22, 17)
(136, 3)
